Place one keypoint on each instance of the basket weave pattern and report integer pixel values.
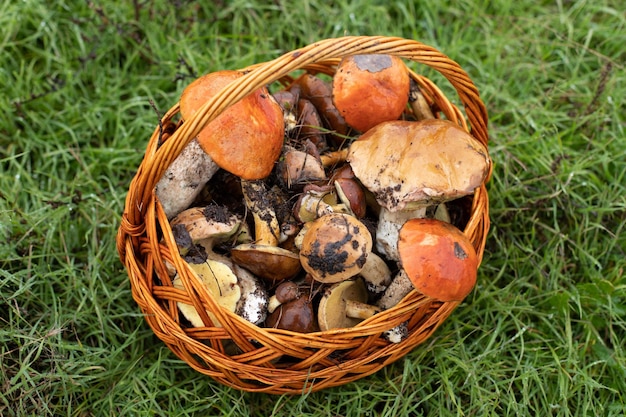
(273, 360)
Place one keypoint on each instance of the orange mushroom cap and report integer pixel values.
(246, 138)
(370, 89)
(438, 258)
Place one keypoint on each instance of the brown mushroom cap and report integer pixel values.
(407, 164)
(370, 89)
(296, 315)
(246, 138)
(271, 263)
(438, 258)
(335, 247)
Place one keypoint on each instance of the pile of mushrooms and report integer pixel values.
(326, 202)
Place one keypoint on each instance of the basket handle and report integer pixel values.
(159, 158)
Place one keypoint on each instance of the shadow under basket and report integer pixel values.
(241, 354)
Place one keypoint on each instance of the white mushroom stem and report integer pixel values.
(253, 304)
(388, 231)
(400, 286)
(397, 334)
(184, 179)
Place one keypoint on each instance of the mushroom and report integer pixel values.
(220, 282)
(390, 223)
(321, 249)
(335, 247)
(412, 164)
(317, 201)
(344, 304)
(409, 166)
(298, 168)
(244, 139)
(247, 137)
(206, 227)
(296, 315)
(285, 292)
(437, 259)
(370, 89)
(352, 195)
(263, 257)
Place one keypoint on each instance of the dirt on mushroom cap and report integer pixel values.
(427, 162)
(335, 247)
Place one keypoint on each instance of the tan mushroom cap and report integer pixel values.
(220, 282)
(208, 223)
(407, 164)
(245, 139)
(370, 89)
(438, 258)
(335, 247)
(344, 305)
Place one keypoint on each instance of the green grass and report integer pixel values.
(541, 335)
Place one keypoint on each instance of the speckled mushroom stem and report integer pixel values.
(266, 227)
(400, 286)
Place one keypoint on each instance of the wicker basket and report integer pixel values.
(315, 360)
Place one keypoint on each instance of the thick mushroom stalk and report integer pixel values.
(184, 179)
(263, 257)
(388, 229)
